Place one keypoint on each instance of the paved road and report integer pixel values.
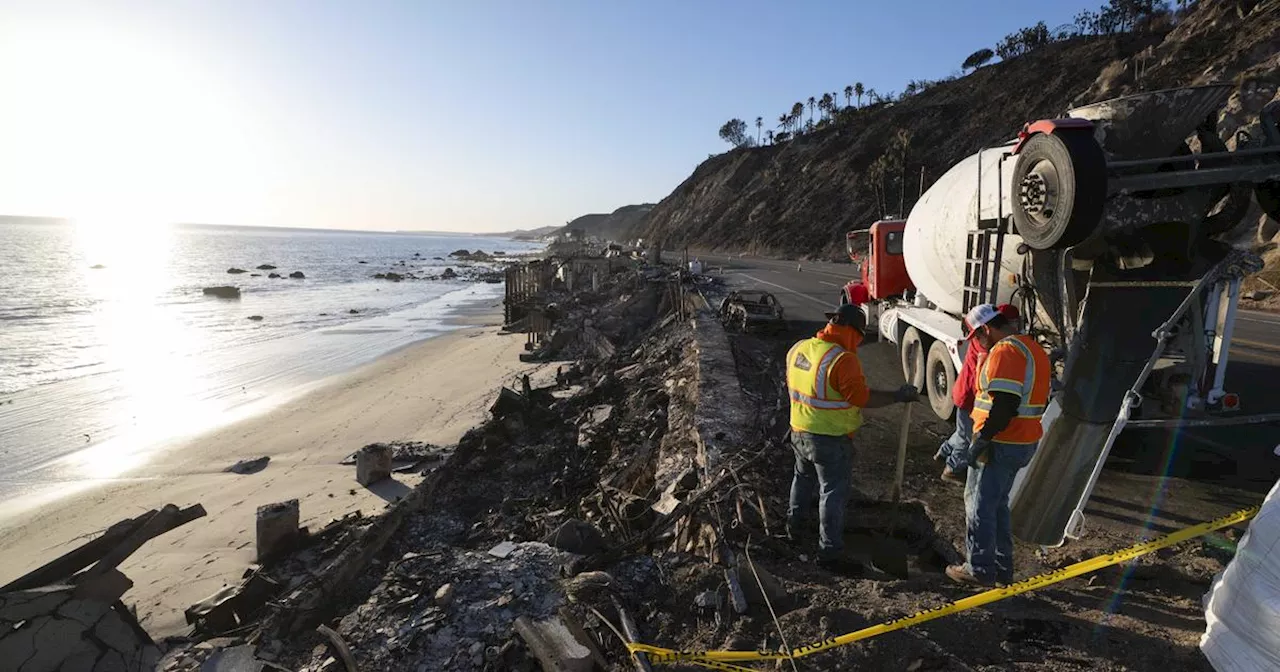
(1236, 453)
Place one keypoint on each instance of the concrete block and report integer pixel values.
(277, 528)
(373, 463)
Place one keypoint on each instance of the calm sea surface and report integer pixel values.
(107, 337)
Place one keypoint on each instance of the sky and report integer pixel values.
(475, 115)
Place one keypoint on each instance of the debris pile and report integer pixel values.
(67, 614)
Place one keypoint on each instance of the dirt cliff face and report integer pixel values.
(799, 198)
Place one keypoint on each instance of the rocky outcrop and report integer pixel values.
(236, 271)
(222, 292)
(266, 267)
(297, 275)
(448, 274)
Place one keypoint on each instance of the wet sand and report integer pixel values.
(433, 391)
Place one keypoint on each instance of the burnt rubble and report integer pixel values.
(67, 613)
(641, 497)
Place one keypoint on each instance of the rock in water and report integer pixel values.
(460, 253)
(255, 318)
(266, 267)
(297, 275)
(97, 267)
(223, 292)
(449, 274)
(274, 275)
(236, 271)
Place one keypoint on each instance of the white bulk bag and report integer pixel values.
(1242, 608)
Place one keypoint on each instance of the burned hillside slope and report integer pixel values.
(798, 198)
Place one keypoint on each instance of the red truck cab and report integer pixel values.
(879, 252)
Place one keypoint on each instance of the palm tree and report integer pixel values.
(848, 95)
(872, 96)
(858, 91)
(811, 103)
(759, 124)
(826, 103)
(797, 111)
(769, 134)
(784, 121)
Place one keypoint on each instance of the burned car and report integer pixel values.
(752, 310)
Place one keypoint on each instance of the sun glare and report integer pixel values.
(103, 121)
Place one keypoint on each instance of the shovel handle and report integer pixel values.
(903, 431)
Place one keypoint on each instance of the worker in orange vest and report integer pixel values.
(962, 395)
(1012, 393)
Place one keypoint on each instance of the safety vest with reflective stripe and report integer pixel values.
(1016, 365)
(816, 407)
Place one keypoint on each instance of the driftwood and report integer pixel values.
(109, 550)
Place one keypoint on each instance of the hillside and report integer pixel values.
(798, 198)
(625, 222)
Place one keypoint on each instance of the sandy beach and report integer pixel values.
(433, 391)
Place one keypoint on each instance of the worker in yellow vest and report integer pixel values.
(1012, 392)
(828, 391)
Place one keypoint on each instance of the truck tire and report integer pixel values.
(940, 377)
(1060, 184)
(912, 350)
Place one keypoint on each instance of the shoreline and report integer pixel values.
(124, 427)
(433, 390)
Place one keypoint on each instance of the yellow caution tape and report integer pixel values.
(719, 660)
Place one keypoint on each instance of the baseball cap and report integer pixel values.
(1009, 311)
(848, 315)
(978, 316)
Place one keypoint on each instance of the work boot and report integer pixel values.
(960, 574)
(951, 476)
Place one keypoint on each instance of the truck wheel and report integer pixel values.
(1060, 181)
(940, 377)
(912, 349)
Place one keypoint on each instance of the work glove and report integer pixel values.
(906, 394)
(978, 451)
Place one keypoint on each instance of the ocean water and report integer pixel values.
(107, 337)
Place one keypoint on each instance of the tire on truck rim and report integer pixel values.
(912, 351)
(940, 377)
(1060, 185)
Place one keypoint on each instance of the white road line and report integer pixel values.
(824, 304)
(832, 284)
(1265, 318)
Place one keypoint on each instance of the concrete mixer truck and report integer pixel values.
(1103, 228)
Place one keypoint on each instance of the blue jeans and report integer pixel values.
(825, 461)
(959, 439)
(988, 540)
